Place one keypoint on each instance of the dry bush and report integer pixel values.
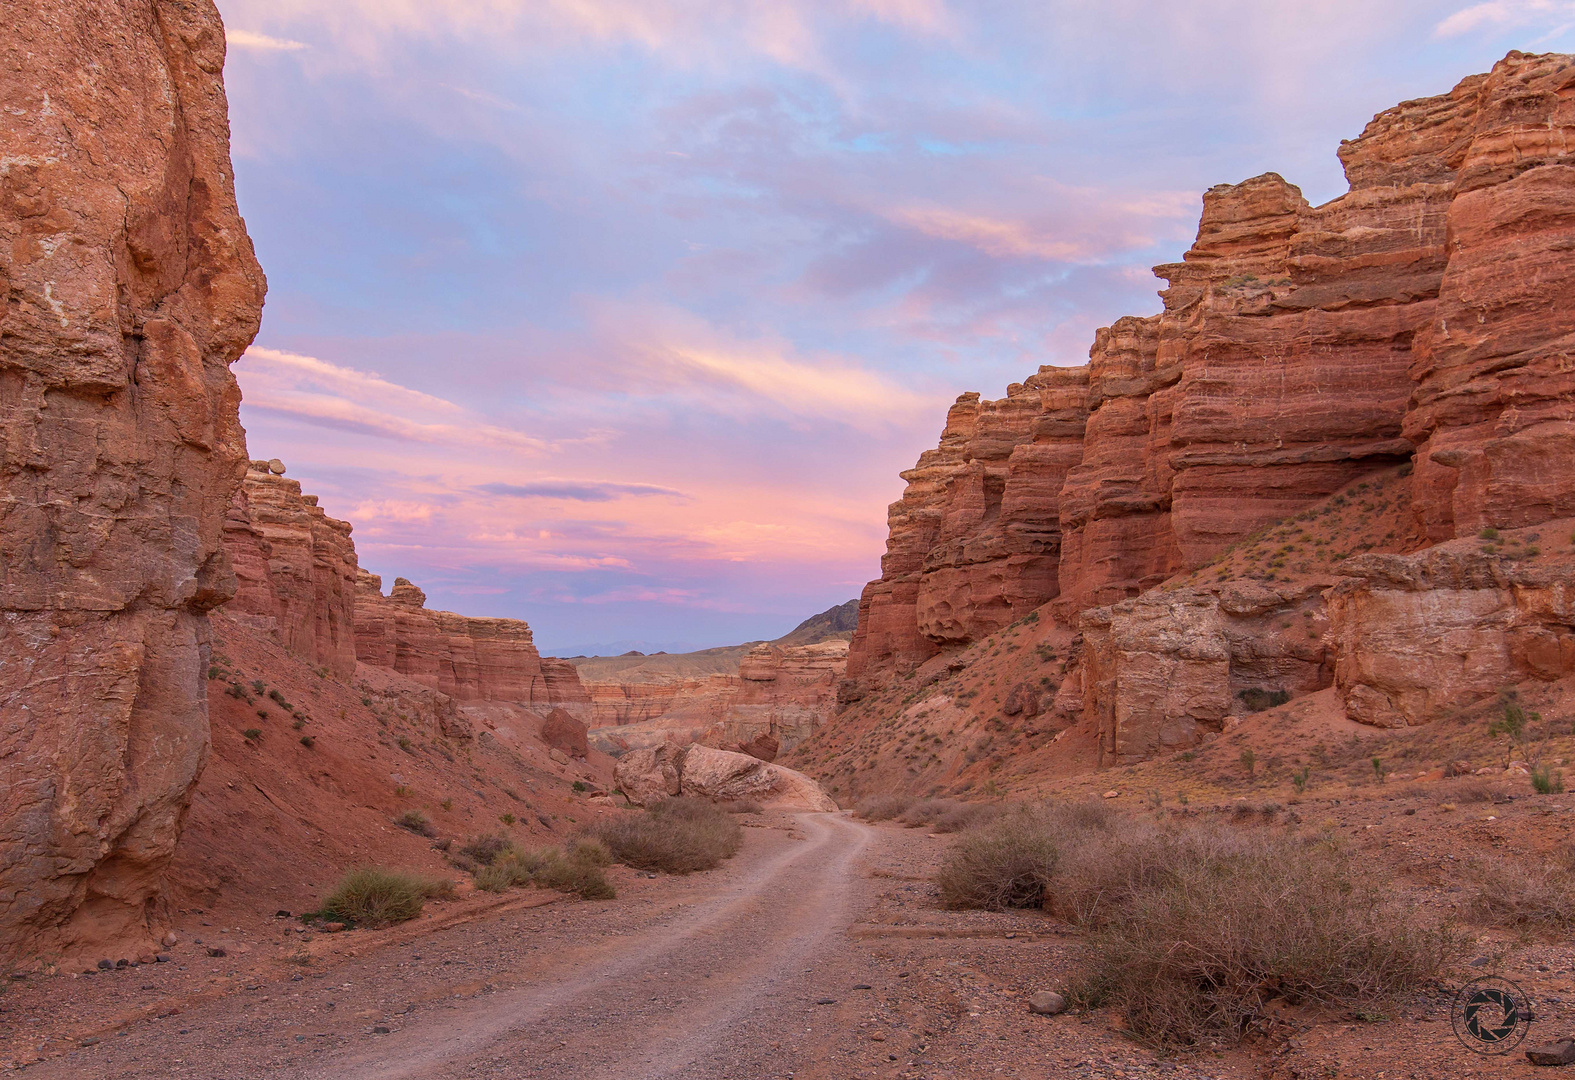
(1194, 928)
(373, 896)
(950, 815)
(676, 836)
(884, 807)
(1222, 925)
(485, 849)
(576, 868)
(416, 822)
(1522, 894)
(742, 806)
(1007, 864)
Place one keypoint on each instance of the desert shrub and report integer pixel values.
(1546, 781)
(252, 734)
(1224, 923)
(1257, 699)
(1521, 894)
(577, 869)
(373, 896)
(884, 807)
(742, 806)
(1470, 790)
(1193, 929)
(1008, 864)
(416, 822)
(676, 836)
(485, 849)
(950, 815)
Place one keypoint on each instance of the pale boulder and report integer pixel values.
(722, 774)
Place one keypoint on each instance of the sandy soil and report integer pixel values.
(820, 952)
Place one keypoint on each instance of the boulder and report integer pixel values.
(762, 746)
(1047, 1003)
(563, 732)
(648, 776)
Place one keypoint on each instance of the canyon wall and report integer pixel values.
(469, 659)
(1423, 317)
(295, 568)
(129, 287)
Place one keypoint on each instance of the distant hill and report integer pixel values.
(836, 623)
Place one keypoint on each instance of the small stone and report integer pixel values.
(106, 965)
(825, 1001)
(862, 986)
(1112, 794)
(380, 1029)
(1480, 961)
(281, 914)
(89, 1041)
(18, 974)
(171, 939)
(216, 950)
(1047, 1003)
(122, 963)
(333, 927)
(276, 466)
(1558, 1053)
(161, 958)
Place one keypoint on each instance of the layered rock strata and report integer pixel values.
(469, 659)
(1418, 635)
(129, 286)
(295, 568)
(1425, 315)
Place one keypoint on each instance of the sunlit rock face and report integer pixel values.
(1424, 315)
(129, 287)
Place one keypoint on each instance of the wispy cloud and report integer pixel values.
(580, 490)
(1508, 14)
(246, 39)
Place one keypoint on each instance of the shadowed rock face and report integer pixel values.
(1426, 312)
(129, 287)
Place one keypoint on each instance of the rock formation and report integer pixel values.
(469, 659)
(561, 731)
(1423, 317)
(295, 567)
(668, 771)
(129, 287)
(779, 696)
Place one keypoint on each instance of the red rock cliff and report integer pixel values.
(295, 568)
(469, 659)
(129, 286)
(1298, 349)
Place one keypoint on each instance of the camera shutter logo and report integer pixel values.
(1491, 1015)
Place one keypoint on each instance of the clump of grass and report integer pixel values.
(416, 822)
(252, 734)
(374, 896)
(950, 815)
(742, 806)
(676, 836)
(485, 849)
(884, 807)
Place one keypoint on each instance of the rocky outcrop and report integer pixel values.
(129, 286)
(1423, 314)
(295, 568)
(667, 771)
(1416, 636)
(780, 694)
(469, 659)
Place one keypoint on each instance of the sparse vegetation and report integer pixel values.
(252, 734)
(1517, 893)
(884, 807)
(1256, 699)
(373, 896)
(415, 821)
(676, 836)
(576, 868)
(1193, 929)
(308, 742)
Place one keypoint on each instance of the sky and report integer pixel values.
(623, 316)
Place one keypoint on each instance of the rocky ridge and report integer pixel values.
(1413, 330)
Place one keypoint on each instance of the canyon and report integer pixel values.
(1410, 336)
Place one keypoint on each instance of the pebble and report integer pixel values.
(380, 1029)
(826, 1001)
(106, 965)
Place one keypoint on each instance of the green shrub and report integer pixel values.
(676, 836)
(576, 869)
(1544, 781)
(485, 849)
(373, 896)
(1256, 699)
(252, 734)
